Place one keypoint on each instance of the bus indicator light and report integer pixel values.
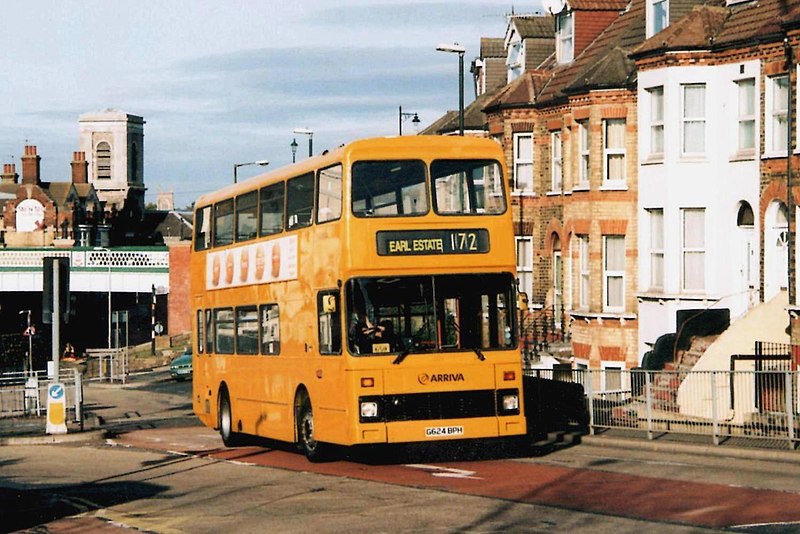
(509, 376)
(367, 382)
(369, 409)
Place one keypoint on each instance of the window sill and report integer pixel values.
(774, 155)
(654, 159)
(614, 186)
(523, 194)
(744, 155)
(554, 193)
(693, 158)
(601, 316)
(580, 187)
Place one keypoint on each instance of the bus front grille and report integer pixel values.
(433, 406)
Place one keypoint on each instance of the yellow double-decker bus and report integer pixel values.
(364, 296)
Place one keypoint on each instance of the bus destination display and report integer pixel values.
(432, 242)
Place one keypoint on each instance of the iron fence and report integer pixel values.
(759, 403)
(26, 394)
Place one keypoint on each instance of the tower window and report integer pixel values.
(103, 160)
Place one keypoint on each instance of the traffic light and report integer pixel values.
(49, 264)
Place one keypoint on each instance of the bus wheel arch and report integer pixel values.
(305, 439)
(225, 419)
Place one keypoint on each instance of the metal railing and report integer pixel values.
(24, 394)
(539, 328)
(756, 404)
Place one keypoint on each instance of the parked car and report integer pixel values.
(181, 367)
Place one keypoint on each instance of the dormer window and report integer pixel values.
(657, 16)
(514, 59)
(565, 37)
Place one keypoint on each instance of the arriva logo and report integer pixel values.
(425, 378)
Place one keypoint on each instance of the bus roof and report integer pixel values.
(397, 146)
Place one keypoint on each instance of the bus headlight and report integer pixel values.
(369, 410)
(508, 402)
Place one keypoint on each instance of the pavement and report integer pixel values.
(108, 413)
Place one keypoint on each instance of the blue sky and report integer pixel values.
(225, 82)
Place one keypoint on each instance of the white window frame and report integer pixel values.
(584, 272)
(522, 161)
(688, 120)
(746, 112)
(616, 366)
(565, 37)
(610, 153)
(773, 112)
(584, 143)
(613, 274)
(656, 247)
(556, 163)
(690, 250)
(652, 27)
(524, 264)
(558, 286)
(656, 97)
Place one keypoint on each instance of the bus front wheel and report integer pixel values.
(306, 441)
(229, 437)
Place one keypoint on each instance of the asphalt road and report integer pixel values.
(162, 472)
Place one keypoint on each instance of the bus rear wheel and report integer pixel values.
(306, 441)
(229, 437)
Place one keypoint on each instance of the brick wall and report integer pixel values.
(179, 308)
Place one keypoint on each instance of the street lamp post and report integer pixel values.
(402, 116)
(456, 48)
(262, 163)
(294, 150)
(29, 333)
(310, 134)
(108, 263)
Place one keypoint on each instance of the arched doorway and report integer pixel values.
(776, 234)
(746, 249)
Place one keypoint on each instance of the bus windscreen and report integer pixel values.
(420, 314)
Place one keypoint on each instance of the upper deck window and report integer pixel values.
(223, 223)
(246, 216)
(329, 194)
(272, 209)
(299, 201)
(467, 187)
(202, 228)
(389, 188)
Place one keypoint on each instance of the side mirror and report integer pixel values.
(329, 304)
(522, 301)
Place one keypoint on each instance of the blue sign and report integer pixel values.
(56, 391)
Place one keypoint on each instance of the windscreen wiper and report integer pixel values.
(477, 350)
(400, 357)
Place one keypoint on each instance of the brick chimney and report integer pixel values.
(30, 166)
(9, 175)
(80, 168)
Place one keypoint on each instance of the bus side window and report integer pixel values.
(209, 332)
(269, 329)
(223, 330)
(223, 223)
(271, 209)
(246, 216)
(247, 330)
(202, 230)
(329, 194)
(201, 336)
(299, 201)
(330, 322)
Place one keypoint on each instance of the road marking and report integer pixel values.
(445, 472)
